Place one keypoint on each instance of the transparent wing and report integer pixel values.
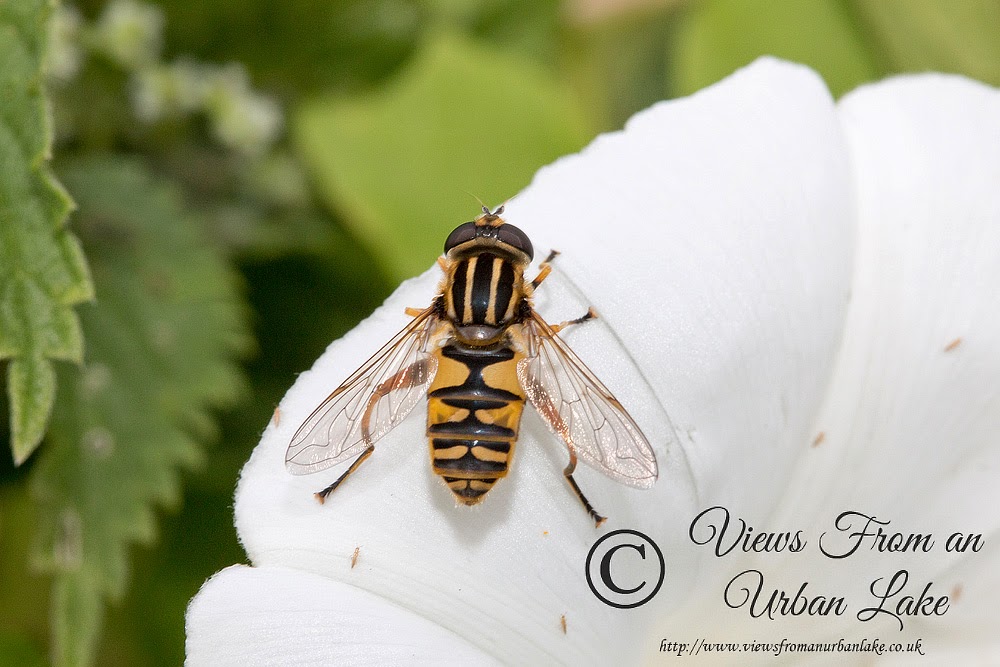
(580, 409)
(370, 402)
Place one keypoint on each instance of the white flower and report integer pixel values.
(791, 276)
(242, 119)
(163, 90)
(130, 33)
(64, 55)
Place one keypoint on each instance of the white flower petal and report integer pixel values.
(713, 235)
(915, 391)
(268, 616)
(911, 421)
(913, 415)
(718, 231)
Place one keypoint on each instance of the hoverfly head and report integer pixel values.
(489, 230)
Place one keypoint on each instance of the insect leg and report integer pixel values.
(589, 315)
(568, 472)
(413, 312)
(544, 269)
(321, 495)
(409, 376)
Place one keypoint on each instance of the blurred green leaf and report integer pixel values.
(620, 65)
(162, 335)
(915, 35)
(294, 45)
(528, 27)
(24, 599)
(77, 618)
(148, 628)
(715, 37)
(247, 233)
(42, 270)
(461, 119)
(17, 650)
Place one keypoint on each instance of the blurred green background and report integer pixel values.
(251, 179)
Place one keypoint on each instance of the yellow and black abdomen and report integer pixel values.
(474, 411)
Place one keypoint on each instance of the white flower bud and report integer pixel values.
(241, 119)
(130, 33)
(64, 56)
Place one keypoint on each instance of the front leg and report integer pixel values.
(544, 269)
(589, 315)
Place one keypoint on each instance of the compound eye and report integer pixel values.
(461, 234)
(513, 236)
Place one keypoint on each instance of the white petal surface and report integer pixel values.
(714, 237)
(913, 417)
(911, 426)
(249, 617)
(717, 232)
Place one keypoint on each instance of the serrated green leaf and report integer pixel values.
(77, 621)
(462, 118)
(31, 382)
(42, 271)
(162, 337)
(916, 35)
(715, 37)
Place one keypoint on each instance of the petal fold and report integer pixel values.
(908, 431)
(275, 616)
(912, 419)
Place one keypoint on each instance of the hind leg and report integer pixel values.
(321, 495)
(568, 472)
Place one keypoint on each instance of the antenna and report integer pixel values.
(485, 208)
(488, 215)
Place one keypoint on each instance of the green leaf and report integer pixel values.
(716, 37)
(299, 44)
(916, 35)
(77, 619)
(461, 119)
(42, 270)
(529, 27)
(17, 650)
(162, 337)
(620, 64)
(24, 599)
(31, 382)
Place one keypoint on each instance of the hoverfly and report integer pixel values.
(478, 352)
